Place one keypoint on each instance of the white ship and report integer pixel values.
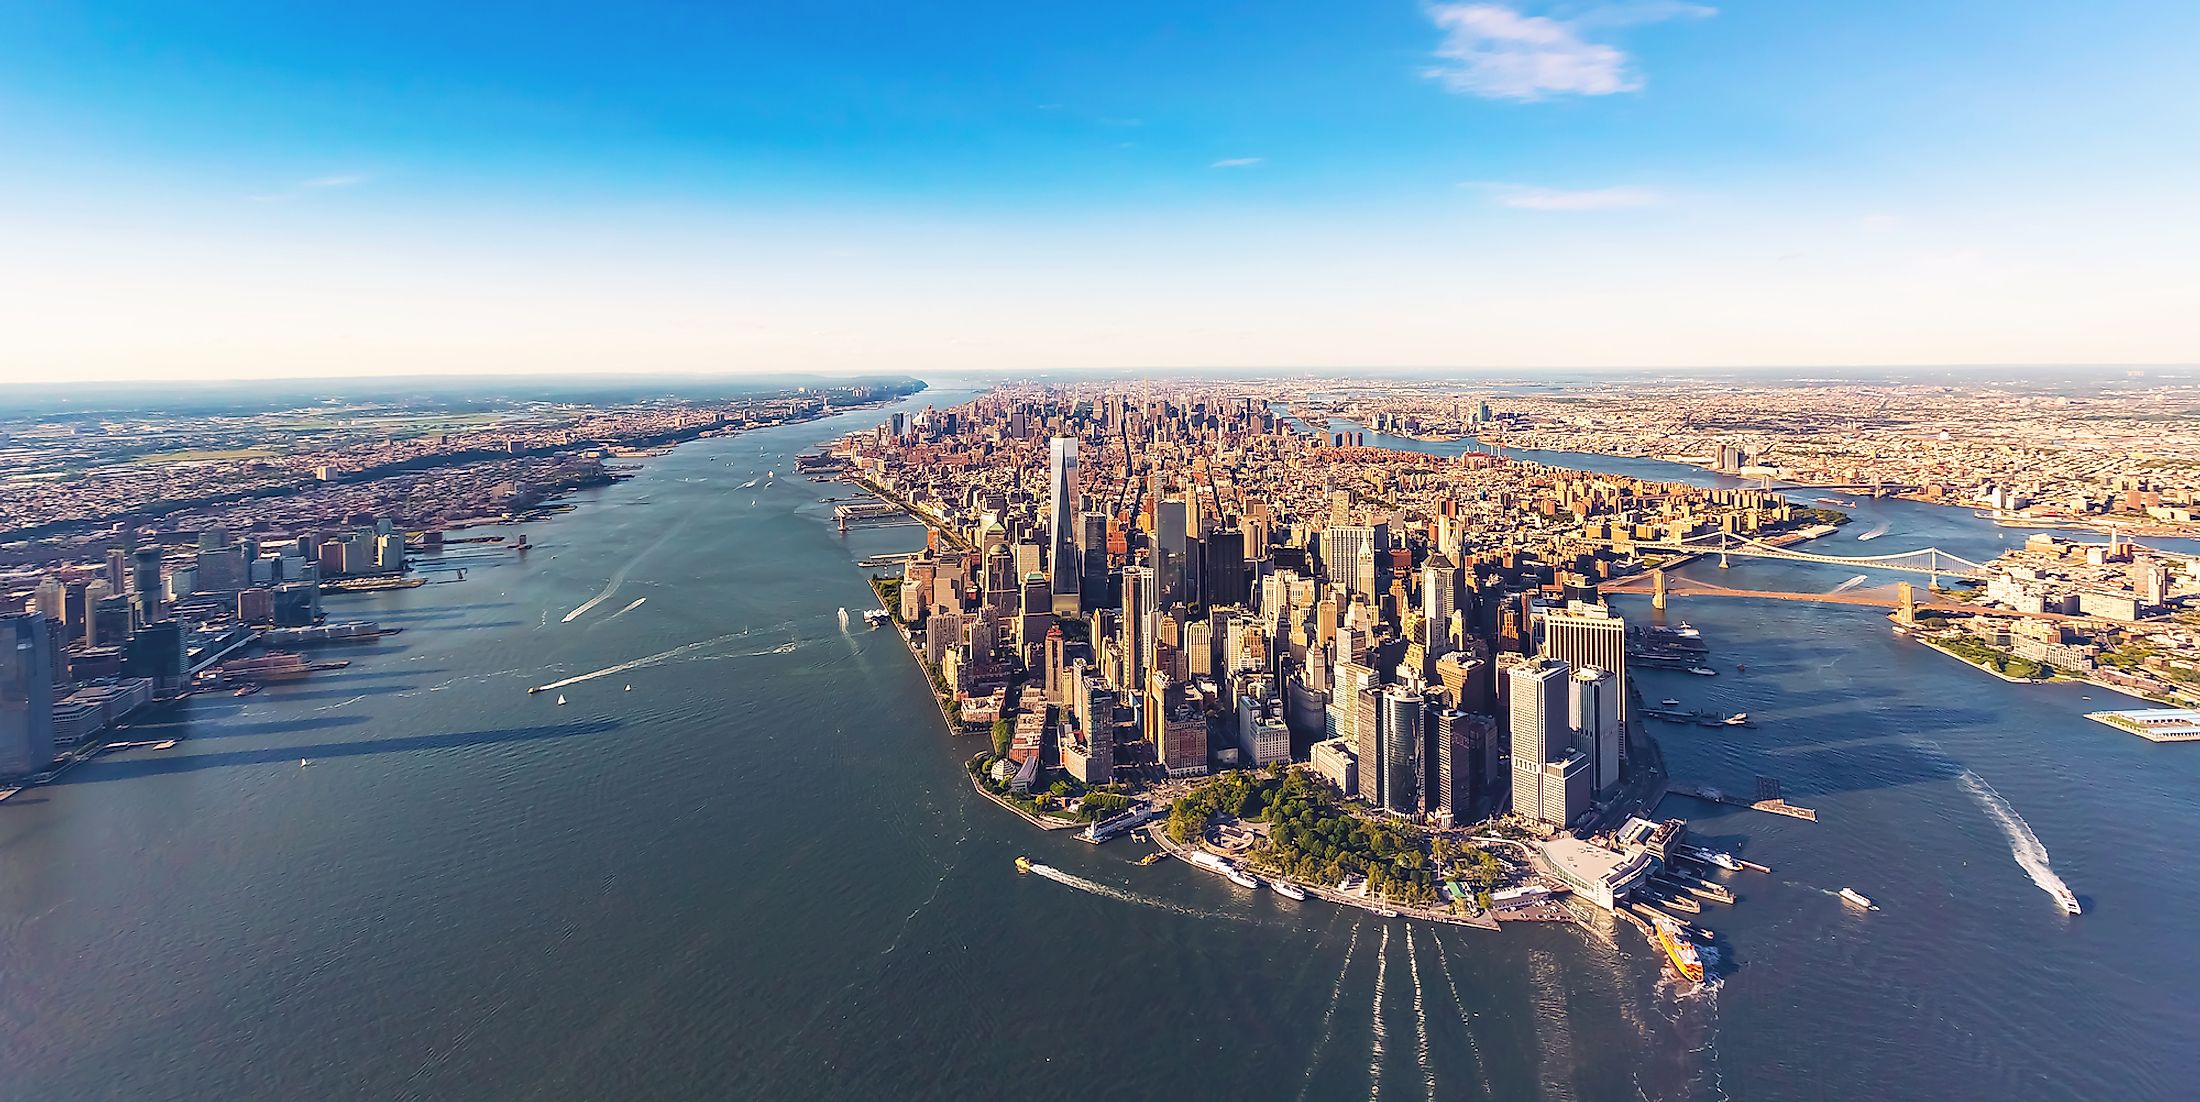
(1856, 898)
(1241, 879)
(1288, 890)
(2068, 899)
(1703, 671)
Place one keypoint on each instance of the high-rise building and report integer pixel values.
(51, 600)
(1350, 557)
(1063, 560)
(1540, 738)
(27, 661)
(1439, 599)
(1403, 737)
(145, 584)
(1592, 710)
(1590, 635)
(1138, 610)
(1222, 575)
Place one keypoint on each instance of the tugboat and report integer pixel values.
(1023, 864)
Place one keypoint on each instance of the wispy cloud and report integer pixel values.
(316, 183)
(1238, 162)
(1526, 197)
(1501, 52)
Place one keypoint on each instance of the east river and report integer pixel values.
(760, 873)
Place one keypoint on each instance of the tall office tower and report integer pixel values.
(87, 614)
(1540, 737)
(1063, 561)
(26, 693)
(1439, 599)
(389, 551)
(145, 584)
(1138, 607)
(1342, 548)
(213, 538)
(1170, 547)
(1592, 710)
(1367, 742)
(51, 600)
(1092, 547)
(118, 570)
(1590, 635)
(1463, 752)
(1222, 579)
(1404, 734)
(1175, 726)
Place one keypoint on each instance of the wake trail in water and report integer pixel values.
(630, 606)
(1555, 1035)
(1466, 1027)
(1375, 1055)
(1420, 1019)
(618, 577)
(1105, 891)
(662, 657)
(340, 704)
(1877, 531)
(2025, 846)
(1329, 1016)
(1852, 583)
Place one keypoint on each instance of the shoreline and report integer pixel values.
(1332, 895)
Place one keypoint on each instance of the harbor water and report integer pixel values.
(761, 872)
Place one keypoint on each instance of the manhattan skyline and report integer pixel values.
(242, 191)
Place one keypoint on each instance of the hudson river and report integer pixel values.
(761, 873)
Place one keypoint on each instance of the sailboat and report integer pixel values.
(630, 688)
(561, 700)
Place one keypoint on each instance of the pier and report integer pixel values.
(1772, 803)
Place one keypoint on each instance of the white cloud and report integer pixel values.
(316, 183)
(1524, 197)
(1500, 52)
(1237, 162)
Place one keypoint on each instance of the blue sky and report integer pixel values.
(227, 189)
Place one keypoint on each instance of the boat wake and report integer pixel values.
(682, 652)
(1852, 583)
(1329, 1016)
(1375, 1054)
(630, 606)
(618, 577)
(1877, 531)
(1420, 1018)
(1465, 1026)
(2030, 853)
(1094, 887)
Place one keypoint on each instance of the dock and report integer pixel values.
(1774, 805)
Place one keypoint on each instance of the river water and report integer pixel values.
(761, 873)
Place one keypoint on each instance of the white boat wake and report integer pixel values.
(618, 577)
(1420, 1018)
(2025, 846)
(1877, 531)
(1852, 583)
(1094, 887)
(1466, 1027)
(1329, 1016)
(1375, 1055)
(661, 657)
(630, 606)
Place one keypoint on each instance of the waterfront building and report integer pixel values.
(1175, 726)
(1540, 738)
(1592, 711)
(1262, 737)
(1335, 761)
(1062, 547)
(1404, 735)
(1589, 635)
(29, 654)
(1599, 875)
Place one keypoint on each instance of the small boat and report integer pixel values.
(1703, 671)
(561, 700)
(1738, 719)
(1241, 879)
(1856, 898)
(1023, 864)
(630, 688)
(2068, 899)
(1152, 858)
(303, 762)
(1670, 702)
(1714, 857)
(1288, 890)
(1386, 912)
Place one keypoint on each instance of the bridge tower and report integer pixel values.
(1932, 568)
(1722, 550)
(1657, 589)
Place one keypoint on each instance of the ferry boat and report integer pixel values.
(1670, 702)
(1241, 879)
(1680, 951)
(1023, 864)
(1856, 898)
(1152, 858)
(2068, 899)
(1714, 857)
(1738, 719)
(1703, 671)
(1289, 891)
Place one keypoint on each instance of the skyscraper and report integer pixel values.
(1590, 635)
(26, 694)
(1138, 607)
(1543, 758)
(145, 584)
(1592, 710)
(1403, 736)
(1063, 561)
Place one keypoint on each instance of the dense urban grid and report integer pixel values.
(152, 556)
